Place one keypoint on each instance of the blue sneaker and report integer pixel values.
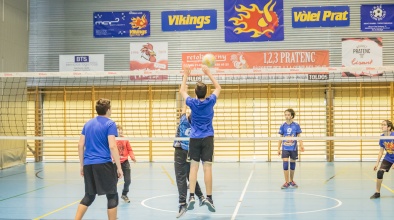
(201, 200)
(208, 202)
(192, 201)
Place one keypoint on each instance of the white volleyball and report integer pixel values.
(209, 60)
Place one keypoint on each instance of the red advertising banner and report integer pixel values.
(262, 59)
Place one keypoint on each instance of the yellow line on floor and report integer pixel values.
(50, 213)
(374, 179)
(61, 208)
(168, 175)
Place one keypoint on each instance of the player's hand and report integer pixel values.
(375, 167)
(120, 173)
(302, 149)
(187, 70)
(134, 160)
(279, 152)
(205, 69)
(81, 171)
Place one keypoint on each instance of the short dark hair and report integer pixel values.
(389, 124)
(292, 112)
(200, 90)
(102, 106)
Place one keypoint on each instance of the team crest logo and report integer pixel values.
(139, 22)
(377, 13)
(389, 147)
(256, 21)
(147, 52)
(239, 61)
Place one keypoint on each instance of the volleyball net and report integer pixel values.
(339, 109)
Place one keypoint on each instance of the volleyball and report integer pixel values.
(209, 60)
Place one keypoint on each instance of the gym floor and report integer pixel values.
(338, 190)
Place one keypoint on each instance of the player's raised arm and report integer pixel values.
(207, 72)
(183, 89)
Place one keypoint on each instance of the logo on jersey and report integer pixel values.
(389, 147)
(187, 132)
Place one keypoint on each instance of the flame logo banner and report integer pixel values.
(254, 20)
(139, 22)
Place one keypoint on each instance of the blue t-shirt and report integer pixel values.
(96, 132)
(183, 131)
(388, 145)
(202, 116)
(291, 130)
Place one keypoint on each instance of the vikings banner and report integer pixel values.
(121, 24)
(362, 52)
(377, 18)
(188, 20)
(253, 20)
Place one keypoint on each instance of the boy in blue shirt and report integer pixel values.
(201, 145)
(289, 147)
(95, 147)
(388, 161)
(182, 167)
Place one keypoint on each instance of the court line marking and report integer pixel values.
(59, 209)
(70, 204)
(374, 179)
(168, 175)
(164, 210)
(25, 193)
(339, 203)
(242, 196)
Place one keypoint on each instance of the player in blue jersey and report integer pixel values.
(95, 147)
(289, 148)
(388, 160)
(182, 167)
(201, 145)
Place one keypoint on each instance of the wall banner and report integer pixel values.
(266, 60)
(86, 62)
(121, 24)
(377, 18)
(253, 20)
(189, 20)
(325, 16)
(362, 52)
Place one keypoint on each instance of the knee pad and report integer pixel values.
(380, 174)
(87, 199)
(292, 166)
(113, 200)
(285, 165)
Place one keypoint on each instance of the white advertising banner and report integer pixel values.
(366, 52)
(83, 62)
(149, 56)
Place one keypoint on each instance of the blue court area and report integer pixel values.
(339, 190)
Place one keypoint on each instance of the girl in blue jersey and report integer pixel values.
(289, 147)
(182, 167)
(388, 146)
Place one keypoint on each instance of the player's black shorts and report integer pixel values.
(201, 149)
(100, 179)
(289, 153)
(385, 165)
